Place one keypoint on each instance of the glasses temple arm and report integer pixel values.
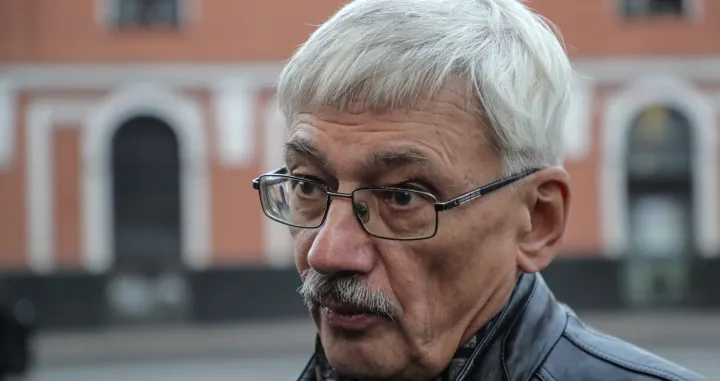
(473, 194)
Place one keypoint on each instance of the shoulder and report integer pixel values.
(583, 353)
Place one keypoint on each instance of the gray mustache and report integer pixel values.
(346, 289)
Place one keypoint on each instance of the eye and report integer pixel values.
(403, 198)
(399, 199)
(307, 189)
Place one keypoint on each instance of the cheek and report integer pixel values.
(302, 241)
(416, 274)
(473, 249)
(459, 239)
(487, 256)
(402, 269)
(486, 228)
(427, 288)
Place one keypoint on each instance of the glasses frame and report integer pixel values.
(439, 205)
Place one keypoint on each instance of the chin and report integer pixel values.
(375, 353)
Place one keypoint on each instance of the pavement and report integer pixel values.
(278, 349)
(214, 369)
(297, 335)
(169, 342)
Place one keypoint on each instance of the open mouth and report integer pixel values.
(346, 309)
(348, 317)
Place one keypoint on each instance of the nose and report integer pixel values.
(341, 245)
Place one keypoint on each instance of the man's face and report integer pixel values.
(439, 286)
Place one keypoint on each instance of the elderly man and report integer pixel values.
(424, 191)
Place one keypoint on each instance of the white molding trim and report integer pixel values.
(8, 126)
(697, 9)
(29, 75)
(716, 100)
(619, 113)
(278, 245)
(235, 115)
(172, 74)
(184, 115)
(578, 124)
(620, 70)
(42, 116)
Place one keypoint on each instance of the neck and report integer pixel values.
(498, 299)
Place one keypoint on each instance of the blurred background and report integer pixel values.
(132, 245)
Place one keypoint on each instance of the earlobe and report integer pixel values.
(547, 203)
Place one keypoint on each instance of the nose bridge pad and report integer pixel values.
(362, 211)
(334, 195)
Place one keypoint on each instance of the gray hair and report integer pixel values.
(385, 54)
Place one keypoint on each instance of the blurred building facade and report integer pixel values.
(130, 131)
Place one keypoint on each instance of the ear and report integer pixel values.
(546, 196)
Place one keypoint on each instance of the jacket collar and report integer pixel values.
(528, 327)
(514, 345)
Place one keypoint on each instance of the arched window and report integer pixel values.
(660, 189)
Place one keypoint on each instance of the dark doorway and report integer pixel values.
(147, 283)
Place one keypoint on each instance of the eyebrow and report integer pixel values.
(381, 160)
(304, 148)
(397, 158)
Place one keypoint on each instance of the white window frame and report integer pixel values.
(619, 113)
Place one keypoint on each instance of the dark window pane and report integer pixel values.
(660, 144)
(131, 13)
(650, 8)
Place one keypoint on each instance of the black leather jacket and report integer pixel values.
(540, 339)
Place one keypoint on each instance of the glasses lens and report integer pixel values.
(292, 201)
(396, 214)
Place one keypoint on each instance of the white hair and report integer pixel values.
(386, 54)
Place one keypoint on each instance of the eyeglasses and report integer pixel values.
(383, 212)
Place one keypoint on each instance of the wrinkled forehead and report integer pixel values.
(333, 152)
(437, 133)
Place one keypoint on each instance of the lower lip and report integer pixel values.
(349, 322)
